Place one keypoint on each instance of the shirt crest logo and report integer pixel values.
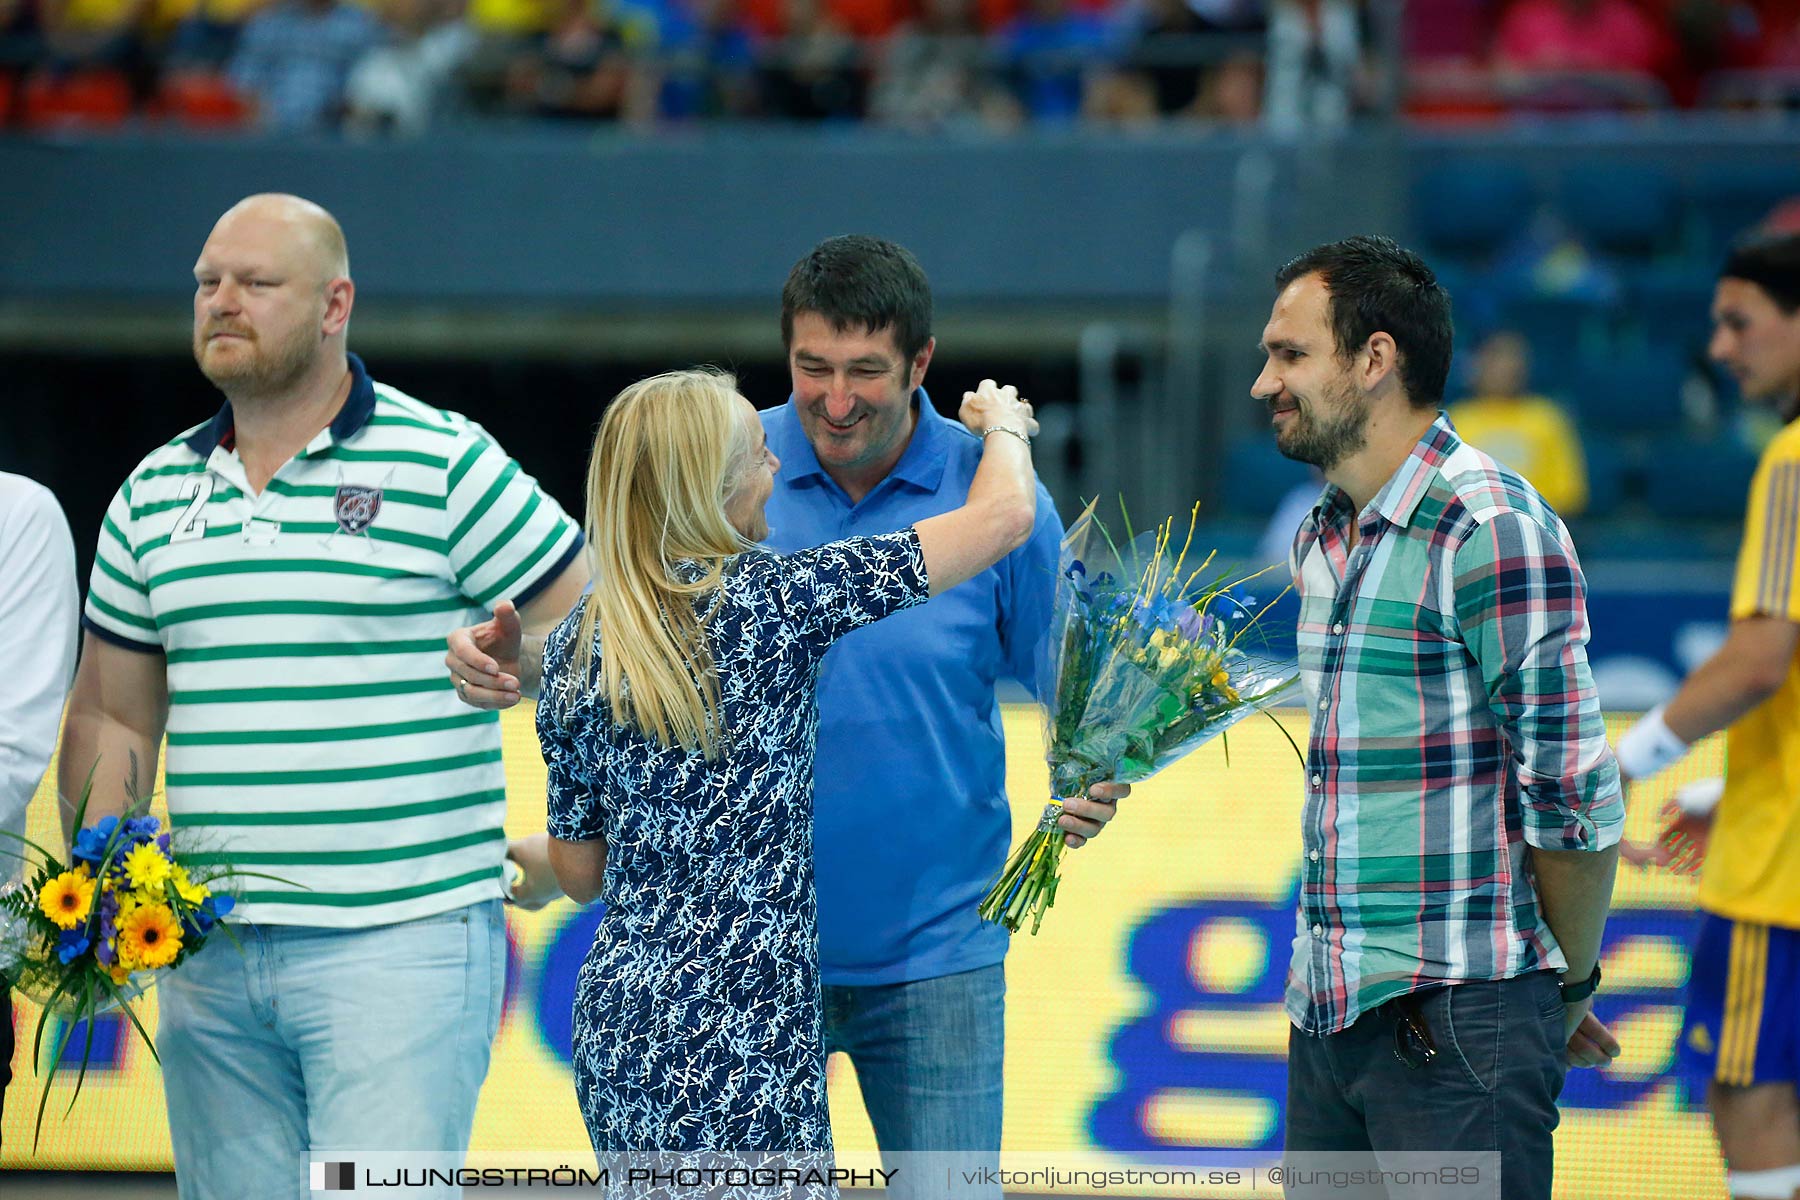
(356, 508)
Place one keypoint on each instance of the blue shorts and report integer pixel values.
(1742, 997)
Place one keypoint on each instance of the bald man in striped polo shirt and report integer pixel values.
(272, 590)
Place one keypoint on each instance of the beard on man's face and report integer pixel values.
(1323, 434)
(257, 367)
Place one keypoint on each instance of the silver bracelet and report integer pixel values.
(1006, 429)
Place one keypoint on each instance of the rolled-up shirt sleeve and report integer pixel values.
(1521, 601)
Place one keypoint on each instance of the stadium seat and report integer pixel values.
(1725, 202)
(1472, 207)
(1256, 477)
(1609, 473)
(1629, 391)
(1688, 480)
(1671, 305)
(81, 99)
(1562, 331)
(202, 100)
(1623, 210)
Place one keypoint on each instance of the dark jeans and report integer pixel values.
(930, 1059)
(1493, 1085)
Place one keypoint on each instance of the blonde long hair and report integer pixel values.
(670, 451)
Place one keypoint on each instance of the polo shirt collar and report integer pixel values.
(358, 407)
(921, 465)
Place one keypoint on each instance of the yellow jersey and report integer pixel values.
(1534, 437)
(1752, 868)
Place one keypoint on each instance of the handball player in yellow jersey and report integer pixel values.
(1740, 1033)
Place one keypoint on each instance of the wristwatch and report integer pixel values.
(1575, 993)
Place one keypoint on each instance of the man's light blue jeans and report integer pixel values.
(327, 1040)
(929, 1058)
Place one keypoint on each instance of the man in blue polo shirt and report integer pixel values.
(910, 809)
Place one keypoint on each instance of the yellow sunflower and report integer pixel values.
(147, 868)
(149, 938)
(68, 898)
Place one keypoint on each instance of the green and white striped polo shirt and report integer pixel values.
(313, 731)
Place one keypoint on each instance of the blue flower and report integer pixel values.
(72, 945)
(139, 830)
(90, 843)
(1188, 623)
(208, 913)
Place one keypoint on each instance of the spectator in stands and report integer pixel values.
(813, 72)
(1527, 432)
(1050, 50)
(1738, 1032)
(933, 72)
(401, 86)
(580, 69)
(296, 57)
(1711, 35)
(202, 34)
(21, 37)
(1779, 36)
(1581, 35)
(1313, 64)
(86, 33)
(1233, 91)
(1170, 70)
(704, 61)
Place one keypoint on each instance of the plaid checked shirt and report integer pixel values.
(1454, 723)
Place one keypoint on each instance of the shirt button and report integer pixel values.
(1313, 854)
(1324, 704)
(1319, 932)
(1318, 780)
(1338, 628)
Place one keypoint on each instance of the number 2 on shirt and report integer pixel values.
(191, 524)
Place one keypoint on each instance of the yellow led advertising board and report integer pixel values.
(1144, 1018)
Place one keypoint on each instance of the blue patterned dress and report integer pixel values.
(697, 1021)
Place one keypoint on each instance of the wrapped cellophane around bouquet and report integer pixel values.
(85, 933)
(1152, 652)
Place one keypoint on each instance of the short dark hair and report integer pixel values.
(1375, 285)
(1772, 262)
(860, 282)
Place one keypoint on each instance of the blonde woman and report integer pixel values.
(678, 724)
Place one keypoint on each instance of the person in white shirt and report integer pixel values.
(37, 598)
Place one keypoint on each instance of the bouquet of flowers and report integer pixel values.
(1144, 663)
(85, 936)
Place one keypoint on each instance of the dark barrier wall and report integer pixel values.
(714, 217)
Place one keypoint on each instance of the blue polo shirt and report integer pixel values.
(911, 816)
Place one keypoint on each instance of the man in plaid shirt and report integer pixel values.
(1462, 807)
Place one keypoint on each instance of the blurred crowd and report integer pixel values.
(401, 65)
